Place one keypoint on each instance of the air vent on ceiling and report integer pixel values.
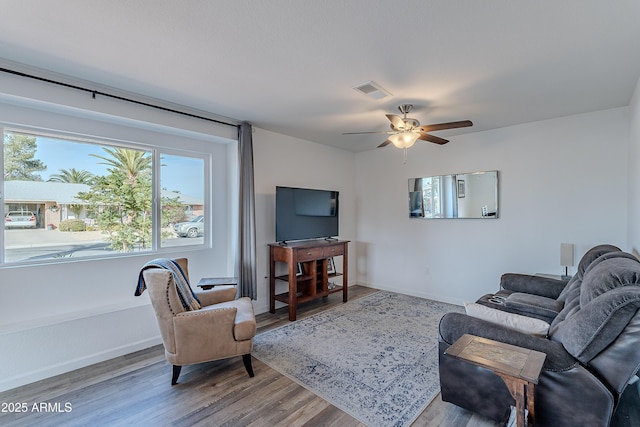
(372, 90)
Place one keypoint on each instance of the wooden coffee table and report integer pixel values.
(518, 367)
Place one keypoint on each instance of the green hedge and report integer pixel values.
(72, 225)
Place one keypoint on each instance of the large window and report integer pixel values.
(70, 198)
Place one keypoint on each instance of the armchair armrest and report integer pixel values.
(216, 295)
(200, 322)
(535, 285)
(454, 325)
(235, 318)
(204, 335)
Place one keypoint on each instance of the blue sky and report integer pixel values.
(178, 173)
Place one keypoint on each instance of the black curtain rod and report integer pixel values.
(121, 98)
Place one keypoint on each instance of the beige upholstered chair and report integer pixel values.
(222, 328)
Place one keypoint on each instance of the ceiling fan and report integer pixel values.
(406, 131)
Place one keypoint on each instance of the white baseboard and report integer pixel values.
(424, 295)
(71, 365)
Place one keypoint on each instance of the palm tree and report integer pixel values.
(72, 176)
(130, 162)
(124, 194)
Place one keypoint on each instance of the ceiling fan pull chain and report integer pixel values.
(405, 156)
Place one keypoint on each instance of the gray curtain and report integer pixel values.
(247, 280)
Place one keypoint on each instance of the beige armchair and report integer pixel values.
(222, 328)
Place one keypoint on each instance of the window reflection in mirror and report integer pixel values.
(467, 195)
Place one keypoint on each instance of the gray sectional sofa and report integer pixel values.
(592, 344)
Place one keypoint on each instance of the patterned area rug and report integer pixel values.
(375, 357)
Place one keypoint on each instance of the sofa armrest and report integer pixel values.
(454, 325)
(535, 285)
(216, 295)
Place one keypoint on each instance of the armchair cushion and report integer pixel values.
(524, 324)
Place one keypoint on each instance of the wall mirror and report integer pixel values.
(466, 195)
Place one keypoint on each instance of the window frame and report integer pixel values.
(157, 199)
(156, 151)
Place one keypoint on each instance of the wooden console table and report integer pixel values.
(518, 367)
(313, 281)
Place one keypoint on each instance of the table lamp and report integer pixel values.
(566, 258)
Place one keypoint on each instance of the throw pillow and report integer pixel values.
(524, 324)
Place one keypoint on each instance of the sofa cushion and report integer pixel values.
(524, 324)
(534, 304)
(570, 307)
(601, 275)
(535, 285)
(608, 274)
(594, 326)
(586, 260)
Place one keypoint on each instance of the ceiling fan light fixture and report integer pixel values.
(404, 139)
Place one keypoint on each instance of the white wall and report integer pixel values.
(634, 172)
(287, 161)
(561, 180)
(57, 317)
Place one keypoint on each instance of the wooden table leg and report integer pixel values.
(530, 404)
(272, 286)
(293, 291)
(345, 275)
(519, 392)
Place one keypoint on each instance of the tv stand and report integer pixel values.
(313, 283)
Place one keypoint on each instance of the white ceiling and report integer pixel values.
(289, 66)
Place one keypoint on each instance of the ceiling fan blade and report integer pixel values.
(434, 139)
(384, 144)
(396, 121)
(363, 133)
(443, 126)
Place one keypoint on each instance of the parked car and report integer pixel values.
(20, 219)
(192, 228)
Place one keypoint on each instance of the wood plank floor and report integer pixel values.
(135, 390)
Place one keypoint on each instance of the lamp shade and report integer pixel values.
(566, 254)
(404, 139)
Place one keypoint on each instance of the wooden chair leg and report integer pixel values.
(176, 374)
(246, 358)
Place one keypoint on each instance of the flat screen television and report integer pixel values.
(305, 213)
